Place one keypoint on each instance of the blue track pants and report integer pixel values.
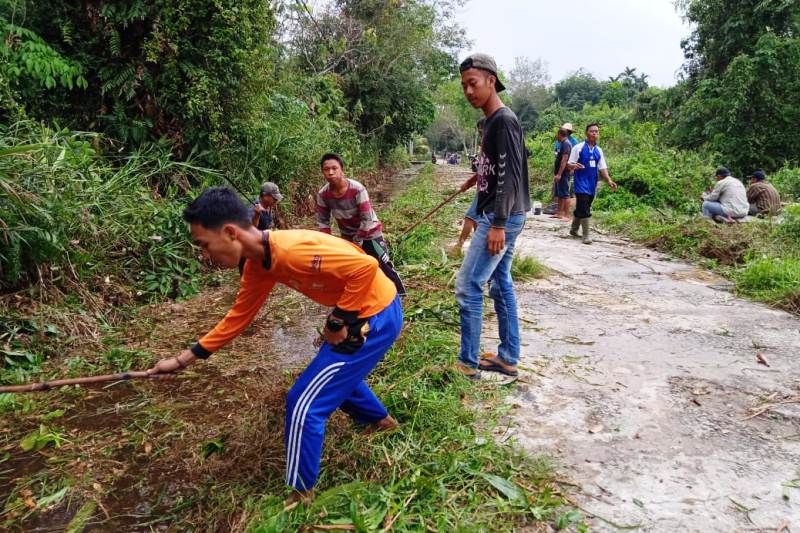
(333, 380)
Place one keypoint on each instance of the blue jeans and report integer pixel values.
(477, 269)
(711, 209)
(472, 212)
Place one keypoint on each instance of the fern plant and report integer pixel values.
(29, 59)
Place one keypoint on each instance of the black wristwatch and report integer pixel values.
(334, 324)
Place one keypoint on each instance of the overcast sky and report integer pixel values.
(603, 36)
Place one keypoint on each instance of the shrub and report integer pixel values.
(66, 208)
(787, 181)
(647, 170)
(772, 280)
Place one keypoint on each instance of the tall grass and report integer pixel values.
(772, 280)
(84, 238)
(67, 208)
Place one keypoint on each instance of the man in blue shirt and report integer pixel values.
(587, 161)
(554, 208)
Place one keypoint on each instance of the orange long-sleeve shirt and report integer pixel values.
(327, 269)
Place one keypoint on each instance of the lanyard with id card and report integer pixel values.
(592, 158)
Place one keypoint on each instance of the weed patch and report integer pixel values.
(772, 280)
(527, 268)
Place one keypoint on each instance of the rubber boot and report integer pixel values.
(585, 228)
(574, 229)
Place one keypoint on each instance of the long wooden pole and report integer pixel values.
(431, 213)
(48, 385)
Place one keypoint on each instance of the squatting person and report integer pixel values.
(503, 199)
(727, 201)
(348, 201)
(265, 209)
(364, 323)
(762, 196)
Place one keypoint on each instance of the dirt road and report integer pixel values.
(642, 379)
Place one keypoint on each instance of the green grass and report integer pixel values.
(527, 268)
(771, 280)
(443, 471)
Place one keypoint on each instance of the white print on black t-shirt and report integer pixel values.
(501, 174)
(485, 168)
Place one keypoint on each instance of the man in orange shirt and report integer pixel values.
(365, 321)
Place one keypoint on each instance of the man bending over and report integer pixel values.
(365, 320)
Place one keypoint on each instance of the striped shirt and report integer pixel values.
(764, 197)
(354, 215)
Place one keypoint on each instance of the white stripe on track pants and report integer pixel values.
(333, 380)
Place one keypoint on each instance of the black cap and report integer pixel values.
(722, 171)
(483, 62)
(758, 175)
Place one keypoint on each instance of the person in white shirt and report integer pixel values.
(727, 200)
(588, 162)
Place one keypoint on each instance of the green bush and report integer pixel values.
(285, 139)
(787, 181)
(65, 208)
(789, 228)
(772, 280)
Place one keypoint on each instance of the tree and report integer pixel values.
(578, 89)
(622, 89)
(389, 56)
(745, 113)
(530, 94)
(454, 127)
(181, 69)
(741, 95)
(724, 29)
(528, 73)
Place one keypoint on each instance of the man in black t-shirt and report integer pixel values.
(503, 199)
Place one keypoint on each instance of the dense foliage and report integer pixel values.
(256, 89)
(150, 68)
(648, 171)
(66, 211)
(389, 58)
(113, 114)
(741, 94)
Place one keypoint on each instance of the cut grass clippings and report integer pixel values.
(438, 472)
